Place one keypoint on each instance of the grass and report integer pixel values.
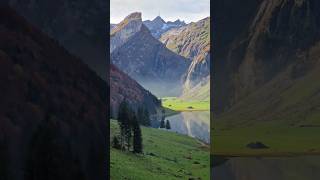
(177, 104)
(283, 114)
(281, 139)
(167, 155)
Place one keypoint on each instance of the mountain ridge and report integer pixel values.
(273, 53)
(155, 70)
(193, 42)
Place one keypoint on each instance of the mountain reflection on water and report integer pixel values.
(195, 124)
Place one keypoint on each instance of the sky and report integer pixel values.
(169, 10)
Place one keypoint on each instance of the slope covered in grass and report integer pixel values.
(284, 114)
(167, 155)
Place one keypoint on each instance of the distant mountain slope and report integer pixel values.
(78, 25)
(52, 109)
(199, 92)
(158, 26)
(270, 68)
(150, 63)
(123, 87)
(193, 42)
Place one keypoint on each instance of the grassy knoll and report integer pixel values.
(177, 104)
(282, 140)
(167, 155)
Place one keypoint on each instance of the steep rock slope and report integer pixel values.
(52, 108)
(78, 25)
(274, 59)
(193, 42)
(121, 32)
(158, 26)
(150, 63)
(123, 87)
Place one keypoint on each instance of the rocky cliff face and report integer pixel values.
(150, 63)
(121, 32)
(193, 42)
(123, 87)
(158, 26)
(78, 25)
(267, 59)
(52, 109)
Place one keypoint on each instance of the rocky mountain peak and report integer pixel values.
(158, 26)
(133, 16)
(158, 19)
(121, 32)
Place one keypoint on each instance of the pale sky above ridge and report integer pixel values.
(169, 10)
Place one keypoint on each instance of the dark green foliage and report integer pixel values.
(143, 116)
(146, 117)
(129, 124)
(50, 155)
(116, 143)
(137, 136)
(168, 126)
(140, 115)
(162, 123)
(124, 124)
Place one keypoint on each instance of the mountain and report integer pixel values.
(121, 32)
(158, 26)
(52, 109)
(79, 26)
(193, 42)
(149, 62)
(199, 92)
(112, 26)
(123, 87)
(268, 66)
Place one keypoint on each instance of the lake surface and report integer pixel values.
(276, 168)
(195, 124)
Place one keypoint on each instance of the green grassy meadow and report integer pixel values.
(283, 116)
(167, 156)
(177, 104)
(282, 140)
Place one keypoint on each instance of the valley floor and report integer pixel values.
(167, 155)
(281, 140)
(177, 104)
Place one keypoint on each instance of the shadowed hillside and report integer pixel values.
(271, 65)
(78, 25)
(52, 109)
(124, 87)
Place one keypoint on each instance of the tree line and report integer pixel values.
(130, 138)
(165, 124)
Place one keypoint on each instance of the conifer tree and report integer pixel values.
(123, 121)
(140, 115)
(147, 121)
(116, 143)
(168, 125)
(162, 123)
(137, 136)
